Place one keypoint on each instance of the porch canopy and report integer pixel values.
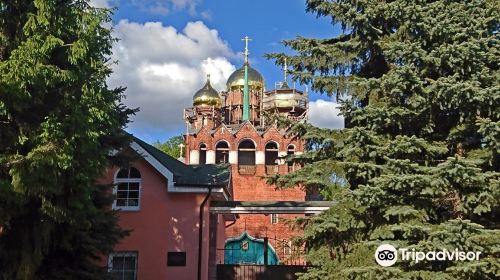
(269, 207)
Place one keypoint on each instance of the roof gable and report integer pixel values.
(272, 131)
(247, 127)
(203, 131)
(193, 175)
(221, 130)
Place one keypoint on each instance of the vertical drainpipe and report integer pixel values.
(245, 96)
(266, 253)
(200, 233)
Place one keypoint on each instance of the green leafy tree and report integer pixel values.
(417, 165)
(59, 126)
(171, 146)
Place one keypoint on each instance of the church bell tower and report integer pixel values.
(230, 128)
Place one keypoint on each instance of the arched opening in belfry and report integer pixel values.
(271, 154)
(203, 153)
(222, 152)
(246, 157)
(290, 153)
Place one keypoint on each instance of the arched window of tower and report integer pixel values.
(203, 153)
(271, 158)
(246, 157)
(290, 152)
(222, 152)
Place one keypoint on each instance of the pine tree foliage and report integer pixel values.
(417, 165)
(59, 123)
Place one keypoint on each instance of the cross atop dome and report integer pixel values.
(253, 77)
(246, 53)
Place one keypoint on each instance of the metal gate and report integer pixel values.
(272, 251)
(289, 261)
(258, 272)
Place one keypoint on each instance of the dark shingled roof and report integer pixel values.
(192, 175)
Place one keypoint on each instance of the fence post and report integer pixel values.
(266, 245)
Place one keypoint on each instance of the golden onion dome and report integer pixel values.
(237, 79)
(207, 96)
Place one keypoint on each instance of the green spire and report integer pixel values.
(246, 111)
(246, 107)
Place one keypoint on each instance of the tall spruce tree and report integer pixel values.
(417, 165)
(59, 123)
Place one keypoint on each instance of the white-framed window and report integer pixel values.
(287, 248)
(123, 265)
(274, 219)
(127, 189)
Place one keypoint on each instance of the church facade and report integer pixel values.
(236, 127)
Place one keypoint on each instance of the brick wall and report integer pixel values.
(254, 187)
(222, 133)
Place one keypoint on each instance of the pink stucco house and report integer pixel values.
(163, 201)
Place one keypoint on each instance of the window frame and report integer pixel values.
(271, 157)
(224, 152)
(290, 152)
(247, 169)
(287, 248)
(123, 254)
(274, 219)
(202, 148)
(118, 181)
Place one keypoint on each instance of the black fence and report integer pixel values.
(258, 272)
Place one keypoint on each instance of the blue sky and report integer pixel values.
(168, 46)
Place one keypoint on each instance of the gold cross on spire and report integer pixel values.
(246, 39)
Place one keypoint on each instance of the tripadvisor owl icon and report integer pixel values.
(386, 255)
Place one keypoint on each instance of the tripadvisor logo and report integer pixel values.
(387, 255)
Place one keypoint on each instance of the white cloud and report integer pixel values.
(163, 7)
(207, 15)
(162, 68)
(158, 9)
(100, 3)
(184, 4)
(325, 114)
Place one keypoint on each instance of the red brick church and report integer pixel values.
(213, 206)
(231, 127)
